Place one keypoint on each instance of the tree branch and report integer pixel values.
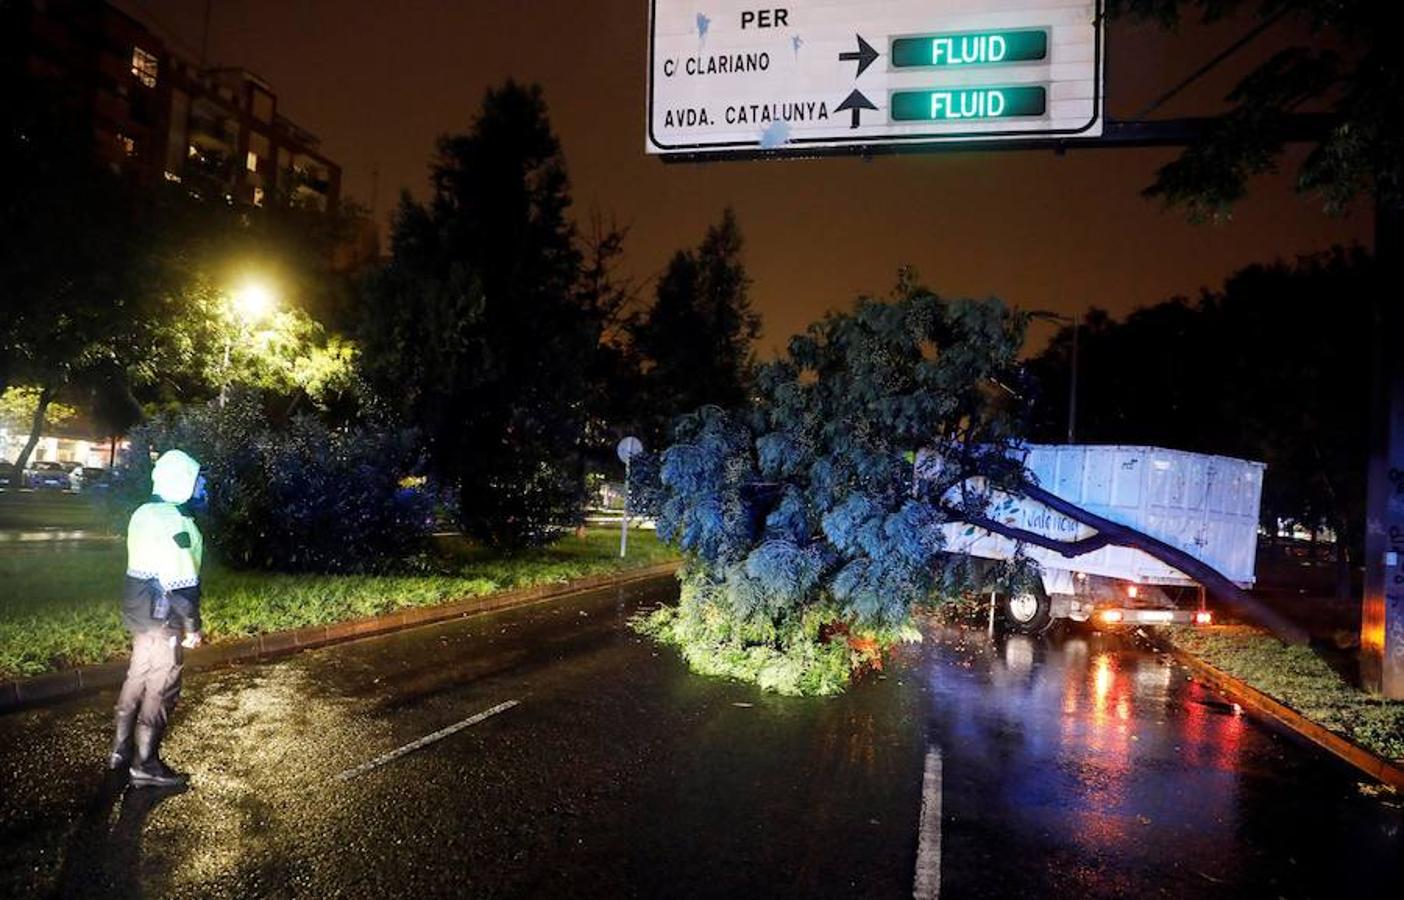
(1114, 533)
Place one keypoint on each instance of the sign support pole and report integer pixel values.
(624, 524)
(1382, 613)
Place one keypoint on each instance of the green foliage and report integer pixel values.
(1301, 679)
(64, 606)
(17, 406)
(484, 328)
(802, 656)
(1349, 70)
(287, 354)
(803, 509)
(302, 497)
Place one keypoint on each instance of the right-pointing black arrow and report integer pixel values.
(865, 55)
(856, 102)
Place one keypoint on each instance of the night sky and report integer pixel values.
(379, 81)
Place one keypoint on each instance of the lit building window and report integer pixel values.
(251, 161)
(144, 66)
(127, 144)
(258, 196)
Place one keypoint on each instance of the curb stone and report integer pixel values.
(55, 686)
(1251, 698)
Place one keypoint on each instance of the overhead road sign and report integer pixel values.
(729, 78)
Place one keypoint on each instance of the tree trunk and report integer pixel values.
(1344, 576)
(46, 396)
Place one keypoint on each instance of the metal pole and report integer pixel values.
(224, 372)
(624, 524)
(1072, 385)
(992, 612)
(1382, 611)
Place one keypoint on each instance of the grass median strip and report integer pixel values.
(49, 510)
(1301, 679)
(59, 608)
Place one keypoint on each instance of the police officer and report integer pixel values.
(161, 609)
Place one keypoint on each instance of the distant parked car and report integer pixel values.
(51, 476)
(91, 478)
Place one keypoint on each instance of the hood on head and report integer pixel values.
(173, 477)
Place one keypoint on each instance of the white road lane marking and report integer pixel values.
(425, 741)
(928, 864)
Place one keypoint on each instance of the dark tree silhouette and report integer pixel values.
(484, 327)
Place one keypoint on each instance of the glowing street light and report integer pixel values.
(251, 302)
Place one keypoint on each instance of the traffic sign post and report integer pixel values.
(731, 79)
(627, 449)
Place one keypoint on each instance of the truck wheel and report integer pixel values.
(1028, 612)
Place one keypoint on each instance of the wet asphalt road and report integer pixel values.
(1073, 766)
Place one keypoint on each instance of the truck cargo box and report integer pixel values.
(1206, 506)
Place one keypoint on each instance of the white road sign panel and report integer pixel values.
(789, 78)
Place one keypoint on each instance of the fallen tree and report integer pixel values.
(807, 538)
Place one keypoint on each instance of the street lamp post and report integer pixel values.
(1072, 382)
(224, 371)
(1075, 321)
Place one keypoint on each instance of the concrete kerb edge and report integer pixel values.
(55, 686)
(1251, 698)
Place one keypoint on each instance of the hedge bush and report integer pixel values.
(299, 497)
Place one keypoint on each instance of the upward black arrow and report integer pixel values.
(856, 102)
(865, 55)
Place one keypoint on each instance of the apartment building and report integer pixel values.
(158, 115)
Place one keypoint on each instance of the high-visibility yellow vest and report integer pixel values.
(162, 541)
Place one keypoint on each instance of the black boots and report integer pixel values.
(121, 753)
(147, 769)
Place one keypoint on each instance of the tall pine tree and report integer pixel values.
(479, 331)
(695, 342)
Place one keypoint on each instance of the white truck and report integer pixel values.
(1111, 527)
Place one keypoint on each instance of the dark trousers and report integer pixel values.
(153, 680)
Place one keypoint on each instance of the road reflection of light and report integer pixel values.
(1098, 748)
(1102, 679)
(1019, 654)
(1215, 738)
(862, 741)
(1100, 744)
(1153, 681)
(257, 723)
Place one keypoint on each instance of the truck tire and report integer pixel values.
(1028, 611)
